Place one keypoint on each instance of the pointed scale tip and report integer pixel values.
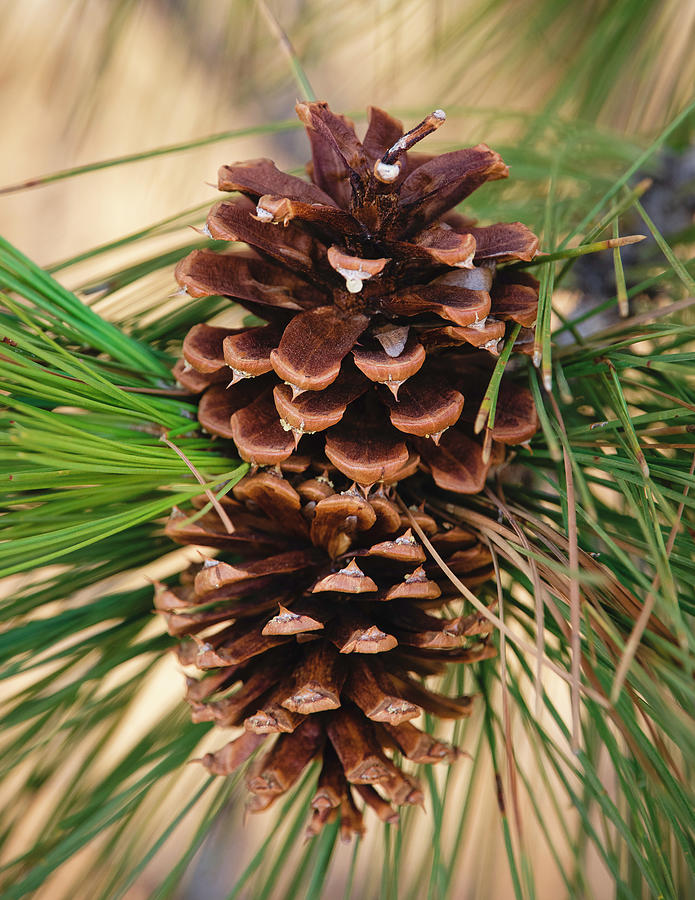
(361, 490)
(352, 569)
(238, 376)
(393, 386)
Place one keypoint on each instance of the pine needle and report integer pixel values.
(288, 50)
(488, 405)
(219, 509)
(583, 250)
(481, 608)
(644, 616)
(575, 599)
(127, 159)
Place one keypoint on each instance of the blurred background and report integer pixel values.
(572, 92)
(85, 80)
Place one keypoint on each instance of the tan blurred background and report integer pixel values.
(85, 80)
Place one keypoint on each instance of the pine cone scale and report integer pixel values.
(314, 345)
(260, 176)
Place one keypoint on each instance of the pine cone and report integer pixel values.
(320, 632)
(377, 298)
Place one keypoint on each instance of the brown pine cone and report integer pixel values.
(320, 631)
(384, 308)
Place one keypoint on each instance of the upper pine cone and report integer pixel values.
(377, 298)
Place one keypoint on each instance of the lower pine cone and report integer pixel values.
(322, 635)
